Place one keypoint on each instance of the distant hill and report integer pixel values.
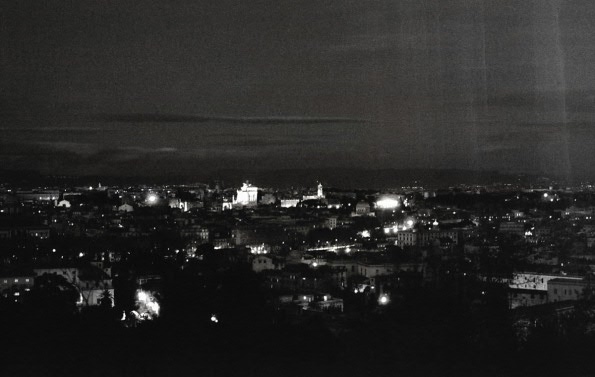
(365, 178)
(336, 177)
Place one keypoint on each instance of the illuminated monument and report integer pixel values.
(319, 194)
(246, 196)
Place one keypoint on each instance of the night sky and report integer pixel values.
(154, 87)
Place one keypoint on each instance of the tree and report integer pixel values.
(106, 300)
(54, 296)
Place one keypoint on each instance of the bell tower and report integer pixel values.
(320, 194)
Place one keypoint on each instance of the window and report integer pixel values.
(26, 280)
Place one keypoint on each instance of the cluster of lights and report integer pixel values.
(259, 249)
(148, 307)
(546, 196)
(408, 225)
(394, 228)
(387, 203)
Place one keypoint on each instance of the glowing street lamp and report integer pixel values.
(383, 299)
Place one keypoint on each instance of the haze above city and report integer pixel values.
(120, 88)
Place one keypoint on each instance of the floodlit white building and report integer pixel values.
(63, 203)
(287, 203)
(319, 194)
(246, 196)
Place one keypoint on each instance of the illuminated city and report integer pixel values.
(297, 188)
(129, 258)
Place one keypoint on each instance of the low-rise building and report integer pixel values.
(564, 289)
(266, 262)
(424, 238)
(14, 284)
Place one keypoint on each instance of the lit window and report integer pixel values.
(16, 280)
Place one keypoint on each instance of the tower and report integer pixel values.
(320, 194)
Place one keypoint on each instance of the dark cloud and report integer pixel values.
(176, 118)
(432, 83)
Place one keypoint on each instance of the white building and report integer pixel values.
(529, 280)
(63, 203)
(226, 206)
(287, 203)
(362, 208)
(319, 194)
(246, 196)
